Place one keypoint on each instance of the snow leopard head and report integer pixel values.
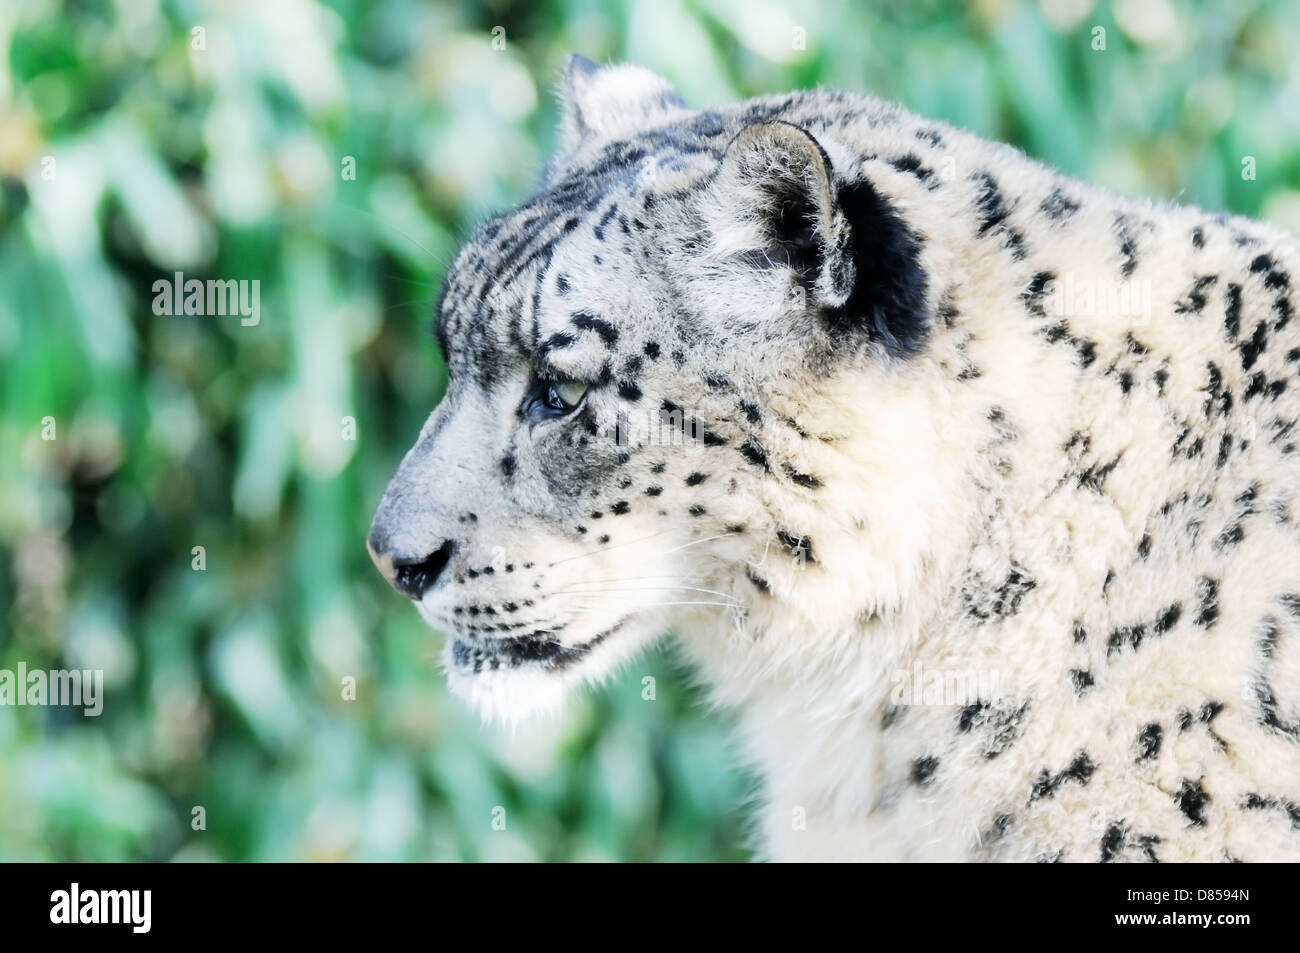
(635, 430)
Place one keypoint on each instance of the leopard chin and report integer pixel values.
(511, 680)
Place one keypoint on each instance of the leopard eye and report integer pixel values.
(550, 399)
(564, 395)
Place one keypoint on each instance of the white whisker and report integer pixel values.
(698, 541)
(605, 549)
(711, 592)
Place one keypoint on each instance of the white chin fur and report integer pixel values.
(512, 695)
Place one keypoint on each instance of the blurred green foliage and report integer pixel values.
(145, 137)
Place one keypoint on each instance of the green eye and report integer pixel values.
(563, 396)
(570, 393)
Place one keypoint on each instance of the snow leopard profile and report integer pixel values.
(972, 489)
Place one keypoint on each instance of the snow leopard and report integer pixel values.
(971, 489)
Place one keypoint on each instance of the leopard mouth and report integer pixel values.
(535, 650)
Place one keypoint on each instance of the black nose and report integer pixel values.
(414, 577)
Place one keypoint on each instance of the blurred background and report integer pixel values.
(337, 152)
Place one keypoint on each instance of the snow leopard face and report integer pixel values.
(620, 445)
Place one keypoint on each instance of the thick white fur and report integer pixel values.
(919, 493)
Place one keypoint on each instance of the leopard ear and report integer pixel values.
(611, 102)
(778, 202)
(856, 261)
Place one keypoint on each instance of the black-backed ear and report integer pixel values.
(856, 260)
(611, 102)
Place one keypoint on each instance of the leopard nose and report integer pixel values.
(412, 576)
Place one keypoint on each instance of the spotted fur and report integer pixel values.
(888, 436)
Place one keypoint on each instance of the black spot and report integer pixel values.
(653, 490)
(999, 827)
(1080, 770)
(629, 391)
(1148, 741)
(1191, 800)
(1260, 802)
(803, 479)
(1038, 288)
(1261, 385)
(1127, 246)
(1081, 680)
(1252, 349)
(759, 583)
(651, 350)
(619, 508)
(923, 770)
(599, 230)
(1231, 536)
(931, 136)
(603, 539)
(1060, 331)
(1193, 301)
(508, 465)
(1001, 726)
(984, 601)
(695, 479)
(1058, 206)
(1112, 842)
(1232, 311)
(754, 453)
(911, 163)
(1131, 635)
(697, 510)
(1144, 546)
(1094, 477)
(993, 212)
(560, 339)
(798, 546)
(1198, 237)
(1219, 398)
(586, 321)
(1274, 278)
(1168, 619)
